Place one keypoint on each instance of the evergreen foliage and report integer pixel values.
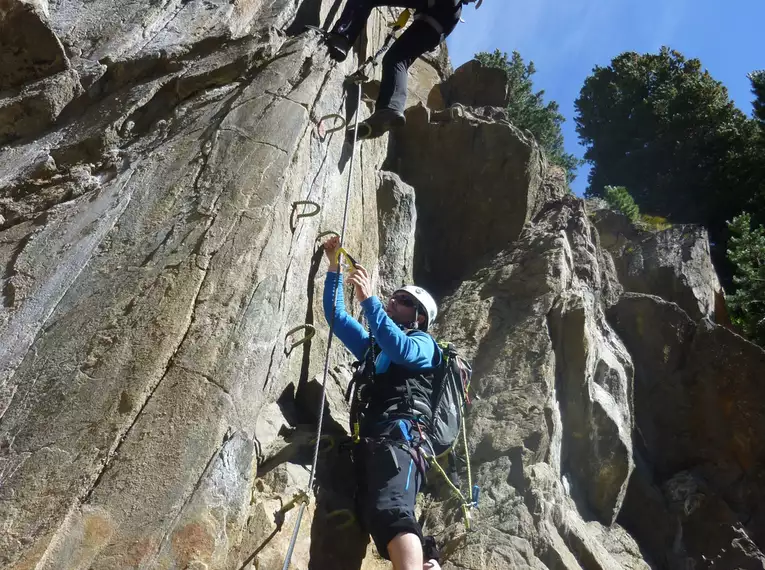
(619, 199)
(747, 253)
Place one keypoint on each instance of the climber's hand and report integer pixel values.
(359, 278)
(330, 249)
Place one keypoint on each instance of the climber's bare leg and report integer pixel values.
(405, 551)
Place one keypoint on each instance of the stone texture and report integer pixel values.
(476, 85)
(163, 238)
(672, 263)
(29, 49)
(467, 208)
(38, 105)
(156, 410)
(36, 81)
(541, 403)
(698, 389)
(396, 226)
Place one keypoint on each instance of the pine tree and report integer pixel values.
(747, 253)
(619, 199)
(758, 89)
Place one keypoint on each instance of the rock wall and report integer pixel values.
(155, 409)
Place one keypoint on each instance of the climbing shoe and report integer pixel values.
(379, 123)
(338, 46)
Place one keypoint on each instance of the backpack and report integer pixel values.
(450, 399)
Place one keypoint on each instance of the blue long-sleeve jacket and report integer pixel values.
(416, 351)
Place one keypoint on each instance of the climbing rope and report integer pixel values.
(304, 497)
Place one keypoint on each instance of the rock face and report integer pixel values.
(672, 263)
(36, 79)
(396, 226)
(698, 394)
(476, 85)
(166, 182)
(553, 385)
(467, 207)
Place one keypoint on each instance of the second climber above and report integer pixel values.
(434, 20)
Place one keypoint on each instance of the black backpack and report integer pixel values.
(450, 398)
(451, 381)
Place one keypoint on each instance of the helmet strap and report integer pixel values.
(416, 323)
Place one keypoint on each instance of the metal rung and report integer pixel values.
(311, 332)
(328, 439)
(457, 111)
(327, 233)
(294, 216)
(339, 121)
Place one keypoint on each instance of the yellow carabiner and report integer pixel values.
(351, 261)
(402, 19)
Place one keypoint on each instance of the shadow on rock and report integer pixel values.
(337, 539)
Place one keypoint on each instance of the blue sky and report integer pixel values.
(566, 38)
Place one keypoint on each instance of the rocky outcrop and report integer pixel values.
(672, 263)
(699, 420)
(36, 79)
(396, 225)
(552, 385)
(477, 85)
(164, 189)
(478, 181)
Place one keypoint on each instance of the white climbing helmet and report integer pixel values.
(424, 298)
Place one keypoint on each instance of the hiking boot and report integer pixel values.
(338, 46)
(379, 123)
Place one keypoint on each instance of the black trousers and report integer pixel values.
(417, 39)
(389, 474)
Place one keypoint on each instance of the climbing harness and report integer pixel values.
(325, 375)
(442, 423)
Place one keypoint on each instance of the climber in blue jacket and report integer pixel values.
(393, 393)
(434, 20)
